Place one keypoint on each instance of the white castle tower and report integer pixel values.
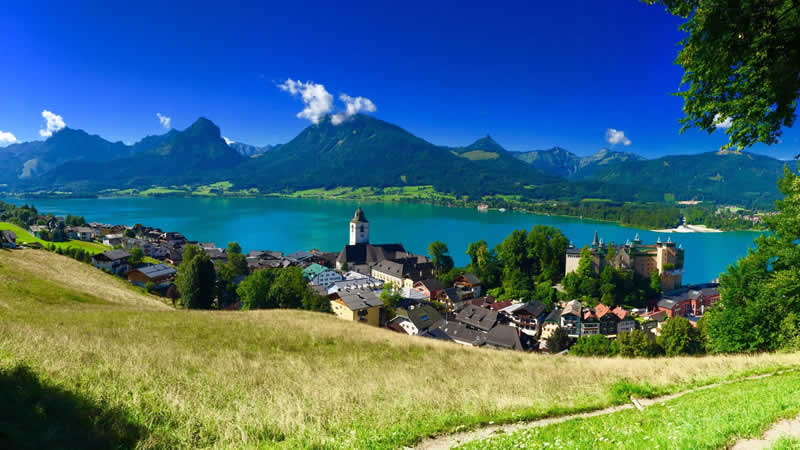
(359, 228)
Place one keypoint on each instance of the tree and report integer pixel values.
(583, 282)
(150, 286)
(678, 337)
(288, 288)
(655, 282)
(391, 298)
(137, 256)
(442, 262)
(129, 233)
(484, 264)
(741, 64)
(233, 247)
(637, 344)
(762, 289)
(253, 290)
(558, 341)
(173, 294)
(545, 293)
(235, 267)
(594, 345)
(196, 281)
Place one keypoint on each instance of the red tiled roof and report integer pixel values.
(589, 314)
(500, 305)
(601, 310)
(621, 312)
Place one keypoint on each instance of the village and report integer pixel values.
(383, 285)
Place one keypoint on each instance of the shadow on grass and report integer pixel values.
(34, 414)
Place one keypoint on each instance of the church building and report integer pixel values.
(381, 260)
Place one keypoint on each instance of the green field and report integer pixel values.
(708, 419)
(82, 355)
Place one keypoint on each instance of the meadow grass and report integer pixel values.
(708, 419)
(170, 378)
(786, 443)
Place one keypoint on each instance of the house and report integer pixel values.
(404, 271)
(344, 286)
(430, 287)
(417, 319)
(571, 317)
(476, 317)
(608, 320)
(461, 333)
(173, 239)
(626, 320)
(590, 325)
(8, 239)
(359, 306)
(508, 338)
(161, 275)
(525, 316)
(319, 275)
(468, 281)
(550, 324)
(691, 301)
(114, 261)
(80, 233)
(38, 229)
(112, 240)
(452, 299)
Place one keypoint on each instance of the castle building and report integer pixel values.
(641, 259)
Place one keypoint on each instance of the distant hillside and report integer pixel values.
(562, 162)
(178, 157)
(250, 150)
(365, 151)
(728, 177)
(28, 159)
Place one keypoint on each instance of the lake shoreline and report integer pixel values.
(691, 229)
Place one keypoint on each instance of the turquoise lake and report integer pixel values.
(289, 225)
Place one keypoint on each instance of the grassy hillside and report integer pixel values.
(82, 354)
(25, 237)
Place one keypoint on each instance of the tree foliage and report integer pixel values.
(741, 63)
(637, 344)
(196, 279)
(558, 341)
(760, 294)
(679, 337)
(442, 261)
(594, 345)
(137, 256)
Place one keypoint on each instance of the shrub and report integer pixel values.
(595, 345)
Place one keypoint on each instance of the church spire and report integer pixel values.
(596, 240)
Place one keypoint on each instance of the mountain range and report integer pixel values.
(365, 151)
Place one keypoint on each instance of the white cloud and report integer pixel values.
(228, 141)
(6, 138)
(317, 99)
(165, 121)
(54, 123)
(719, 123)
(354, 106)
(615, 137)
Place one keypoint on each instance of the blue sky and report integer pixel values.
(531, 75)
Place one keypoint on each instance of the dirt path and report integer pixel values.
(451, 440)
(788, 427)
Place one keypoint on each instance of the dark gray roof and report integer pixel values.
(113, 255)
(9, 236)
(423, 316)
(360, 300)
(368, 254)
(469, 276)
(452, 294)
(156, 270)
(504, 336)
(432, 284)
(459, 332)
(475, 316)
(554, 316)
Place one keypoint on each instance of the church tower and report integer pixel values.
(359, 228)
